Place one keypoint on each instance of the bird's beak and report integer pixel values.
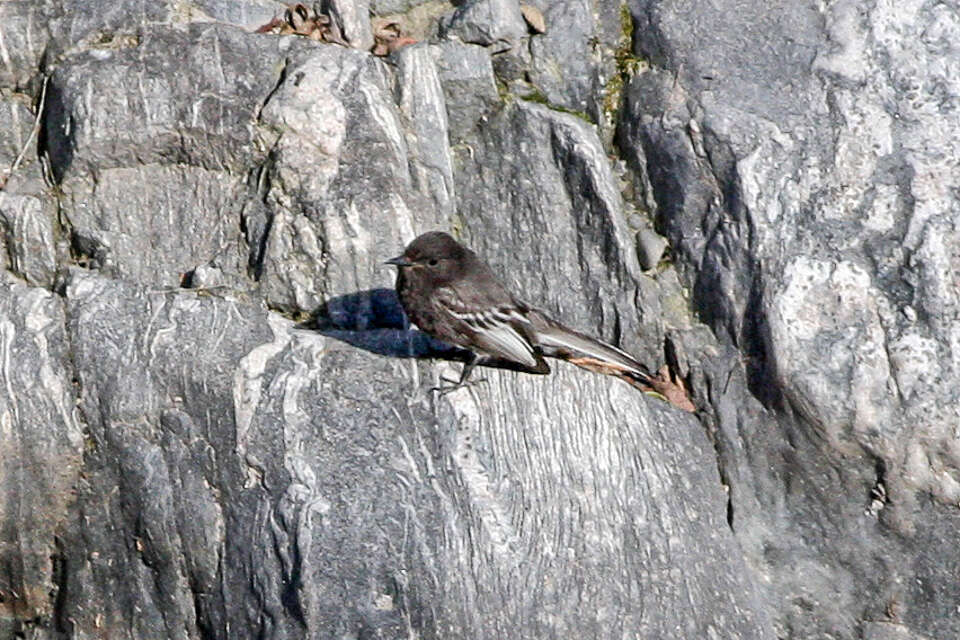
(399, 261)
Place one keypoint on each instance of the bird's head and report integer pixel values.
(434, 256)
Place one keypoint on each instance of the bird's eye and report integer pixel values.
(433, 262)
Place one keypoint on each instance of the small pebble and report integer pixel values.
(534, 18)
(650, 248)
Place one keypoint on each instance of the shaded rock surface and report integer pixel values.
(43, 447)
(179, 459)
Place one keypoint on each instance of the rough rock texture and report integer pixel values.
(42, 442)
(354, 16)
(23, 38)
(573, 63)
(331, 220)
(486, 22)
(180, 460)
(245, 511)
(807, 184)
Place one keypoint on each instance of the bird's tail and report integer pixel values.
(558, 341)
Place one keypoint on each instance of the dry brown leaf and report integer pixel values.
(674, 390)
(386, 29)
(299, 19)
(388, 37)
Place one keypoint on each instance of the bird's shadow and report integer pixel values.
(373, 320)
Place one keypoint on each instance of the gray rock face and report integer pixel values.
(245, 13)
(24, 35)
(179, 460)
(28, 224)
(194, 109)
(796, 185)
(469, 88)
(486, 22)
(20, 144)
(253, 497)
(573, 62)
(333, 220)
(421, 100)
(354, 16)
(42, 441)
(98, 209)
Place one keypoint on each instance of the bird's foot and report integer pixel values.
(452, 386)
(464, 380)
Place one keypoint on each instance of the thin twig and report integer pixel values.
(208, 290)
(33, 134)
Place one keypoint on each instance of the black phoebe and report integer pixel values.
(453, 296)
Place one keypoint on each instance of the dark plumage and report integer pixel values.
(452, 295)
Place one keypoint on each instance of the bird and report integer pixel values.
(452, 295)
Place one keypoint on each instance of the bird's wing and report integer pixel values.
(496, 331)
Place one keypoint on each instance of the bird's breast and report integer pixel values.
(417, 303)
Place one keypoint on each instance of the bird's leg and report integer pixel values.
(468, 368)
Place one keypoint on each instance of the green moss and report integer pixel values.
(503, 90)
(611, 97)
(539, 97)
(627, 64)
(626, 23)
(531, 93)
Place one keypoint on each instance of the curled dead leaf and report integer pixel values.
(301, 20)
(386, 29)
(673, 389)
(388, 37)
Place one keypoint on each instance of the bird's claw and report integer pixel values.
(454, 386)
